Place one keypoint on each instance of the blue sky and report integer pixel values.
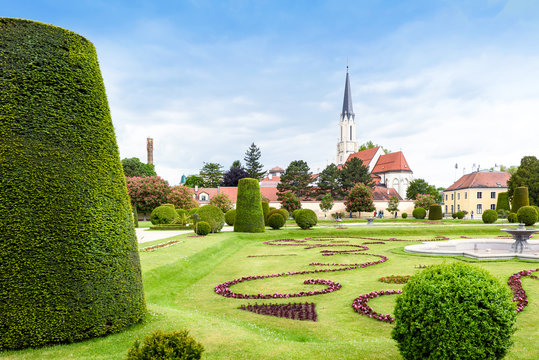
(446, 82)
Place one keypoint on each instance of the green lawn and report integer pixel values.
(179, 282)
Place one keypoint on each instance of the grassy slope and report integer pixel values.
(179, 283)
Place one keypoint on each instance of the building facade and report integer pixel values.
(475, 192)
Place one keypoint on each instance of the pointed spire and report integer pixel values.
(347, 109)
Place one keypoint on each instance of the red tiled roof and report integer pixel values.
(481, 180)
(382, 193)
(365, 155)
(276, 169)
(232, 192)
(391, 162)
(273, 182)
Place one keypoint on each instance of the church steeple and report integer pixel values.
(347, 109)
(347, 141)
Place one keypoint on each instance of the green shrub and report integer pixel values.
(182, 212)
(502, 214)
(164, 214)
(454, 311)
(230, 217)
(454, 215)
(193, 211)
(489, 216)
(520, 198)
(213, 216)
(294, 213)
(283, 213)
(419, 213)
(249, 213)
(461, 214)
(512, 217)
(265, 211)
(527, 215)
(69, 263)
(536, 209)
(159, 345)
(503, 201)
(404, 215)
(435, 212)
(276, 221)
(306, 219)
(203, 228)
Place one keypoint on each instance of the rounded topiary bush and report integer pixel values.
(435, 212)
(520, 198)
(164, 214)
(203, 228)
(283, 213)
(276, 221)
(69, 262)
(294, 213)
(536, 210)
(213, 216)
(249, 213)
(454, 311)
(419, 213)
(230, 217)
(489, 216)
(512, 217)
(460, 215)
(181, 212)
(171, 346)
(404, 215)
(306, 218)
(527, 215)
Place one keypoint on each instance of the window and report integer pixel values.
(493, 194)
(452, 209)
(458, 196)
(479, 209)
(465, 195)
(446, 200)
(458, 207)
(492, 206)
(446, 207)
(452, 196)
(479, 195)
(203, 197)
(350, 132)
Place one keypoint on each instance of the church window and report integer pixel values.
(350, 132)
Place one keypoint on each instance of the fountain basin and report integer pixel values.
(477, 248)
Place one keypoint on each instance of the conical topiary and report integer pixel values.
(249, 214)
(69, 264)
(503, 201)
(520, 198)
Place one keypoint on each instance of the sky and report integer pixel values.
(446, 82)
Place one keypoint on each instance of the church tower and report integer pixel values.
(347, 141)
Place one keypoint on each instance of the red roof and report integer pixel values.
(232, 192)
(495, 179)
(391, 162)
(383, 193)
(364, 155)
(276, 169)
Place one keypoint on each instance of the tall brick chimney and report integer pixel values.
(149, 146)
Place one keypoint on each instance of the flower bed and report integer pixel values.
(519, 295)
(294, 311)
(361, 307)
(395, 279)
(160, 246)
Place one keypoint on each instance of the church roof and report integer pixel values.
(347, 109)
(364, 155)
(383, 193)
(494, 179)
(391, 162)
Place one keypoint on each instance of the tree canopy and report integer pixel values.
(212, 174)
(194, 180)
(296, 179)
(232, 176)
(252, 165)
(360, 199)
(369, 145)
(329, 182)
(420, 186)
(527, 175)
(354, 172)
(134, 167)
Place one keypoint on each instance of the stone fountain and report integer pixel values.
(520, 246)
(521, 236)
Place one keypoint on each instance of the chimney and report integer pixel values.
(149, 147)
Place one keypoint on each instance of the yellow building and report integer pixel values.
(475, 192)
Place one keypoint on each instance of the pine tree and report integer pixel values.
(212, 174)
(252, 166)
(296, 179)
(354, 172)
(329, 181)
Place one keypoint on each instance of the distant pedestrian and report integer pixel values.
(395, 214)
(374, 213)
(472, 214)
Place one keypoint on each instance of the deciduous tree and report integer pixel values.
(424, 201)
(527, 175)
(290, 202)
(359, 199)
(212, 174)
(194, 180)
(182, 197)
(393, 204)
(222, 201)
(147, 192)
(134, 167)
(326, 204)
(420, 186)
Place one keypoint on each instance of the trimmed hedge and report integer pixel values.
(435, 212)
(527, 215)
(283, 213)
(419, 213)
(404, 215)
(490, 216)
(164, 214)
(203, 228)
(173, 345)
(265, 211)
(249, 213)
(69, 262)
(454, 311)
(294, 213)
(230, 217)
(520, 198)
(503, 201)
(213, 216)
(512, 217)
(276, 221)
(306, 218)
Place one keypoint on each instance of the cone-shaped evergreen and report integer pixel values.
(249, 214)
(69, 264)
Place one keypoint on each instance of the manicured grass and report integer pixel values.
(179, 283)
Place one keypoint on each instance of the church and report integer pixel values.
(390, 172)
